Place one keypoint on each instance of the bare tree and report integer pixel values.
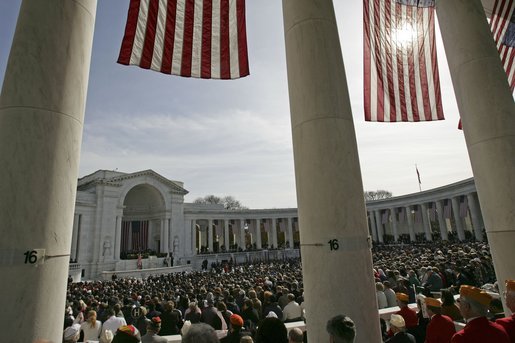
(229, 202)
(377, 195)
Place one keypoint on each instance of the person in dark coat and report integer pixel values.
(209, 316)
(171, 321)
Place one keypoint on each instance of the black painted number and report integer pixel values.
(333, 244)
(31, 256)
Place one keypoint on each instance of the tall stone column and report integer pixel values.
(474, 213)
(118, 238)
(41, 120)
(394, 224)
(226, 234)
(274, 232)
(487, 112)
(210, 235)
(290, 232)
(441, 221)
(457, 218)
(379, 225)
(411, 227)
(166, 235)
(373, 227)
(332, 209)
(258, 234)
(426, 222)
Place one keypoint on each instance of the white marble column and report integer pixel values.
(487, 110)
(258, 233)
(394, 224)
(75, 233)
(290, 231)
(457, 219)
(274, 232)
(373, 227)
(226, 234)
(325, 150)
(411, 228)
(118, 238)
(441, 221)
(41, 120)
(166, 235)
(426, 222)
(475, 213)
(379, 225)
(210, 235)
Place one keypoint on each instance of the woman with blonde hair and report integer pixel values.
(91, 327)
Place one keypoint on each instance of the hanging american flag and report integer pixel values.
(418, 214)
(464, 206)
(385, 217)
(139, 235)
(502, 24)
(126, 229)
(447, 208)
(401, 71)
(401, 215)
(192, 38)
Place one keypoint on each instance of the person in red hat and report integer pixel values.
(474, 304)
(440, 328)
(235, 330)
(508, 323)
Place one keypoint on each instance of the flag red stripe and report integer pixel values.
(150, 35)
(379, 40)
(400, 69)
(225, 57)
(243, 56)
(366, 56)
(169, 39)
(130, 33)
(422, 66)
(389, 64)
(434, 65)
(207, 21)
(187, 45)
(411, 12)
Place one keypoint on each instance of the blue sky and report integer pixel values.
(234, 137)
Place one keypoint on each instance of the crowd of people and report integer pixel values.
(251, 302)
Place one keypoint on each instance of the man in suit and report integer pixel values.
(508, 323)
(474, 304)
(440, 328)
(398, 328)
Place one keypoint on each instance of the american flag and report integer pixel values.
(126, 229)
(418, 214)
(432, 211)
(401, 71)
(447, 208)
(192, 38)
(282, 225)
(502, 24)
(401, 215)
(464, 206)
(385, 217)
(139, 234)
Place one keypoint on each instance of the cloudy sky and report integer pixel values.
(234, 137)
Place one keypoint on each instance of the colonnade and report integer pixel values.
(215, 234)
(428, 219)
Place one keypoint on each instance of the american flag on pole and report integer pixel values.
(401, 70)
(192, 38)
(502, 24)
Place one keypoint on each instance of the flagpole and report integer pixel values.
(418, 176)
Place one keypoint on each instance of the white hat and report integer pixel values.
(271, 314)
(397, 321)
(71, 331)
